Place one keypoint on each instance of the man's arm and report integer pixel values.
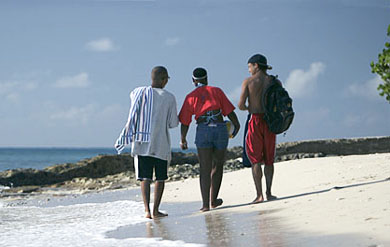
(173, 119)
(184, 131)
(243, 96)
(233, 117)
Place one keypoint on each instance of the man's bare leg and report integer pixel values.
(216, 177)
(269, 174)
(257, 176)
(158, 192)
(205, 161)
(145, 189)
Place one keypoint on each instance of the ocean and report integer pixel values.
(79, 220)
(39, 158)
(74, 219)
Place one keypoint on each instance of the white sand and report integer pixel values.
(308, 213)
(360, 213)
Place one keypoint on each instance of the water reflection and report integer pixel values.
(157, 229)
(215, 228)
(218, 232)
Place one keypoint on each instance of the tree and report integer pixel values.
(382, 68)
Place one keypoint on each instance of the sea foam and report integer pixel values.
(83, 224)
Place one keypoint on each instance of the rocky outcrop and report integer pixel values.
(351, 146)
(113, 171)
(96, 167)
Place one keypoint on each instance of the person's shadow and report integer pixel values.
(310, 193)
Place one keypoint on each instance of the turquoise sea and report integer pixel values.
(39, 158)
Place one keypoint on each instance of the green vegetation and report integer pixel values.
(382, 68)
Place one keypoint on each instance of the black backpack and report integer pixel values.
(279, 113)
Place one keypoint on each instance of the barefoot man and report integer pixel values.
(152, 112)
(259, 142)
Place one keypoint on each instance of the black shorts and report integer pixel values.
(144, 166)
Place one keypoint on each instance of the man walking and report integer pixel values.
(152, 112)
(259, 141)
(209, 104)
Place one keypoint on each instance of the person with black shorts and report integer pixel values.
(152, 113)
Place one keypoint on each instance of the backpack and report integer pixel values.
(279, 113)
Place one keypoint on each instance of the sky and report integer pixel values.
(67, 67)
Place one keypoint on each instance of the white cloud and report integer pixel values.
(12, 91)
(318, 115)
(234, 95)
(172, 41)
(82, 115)
(366, 90)
(313, 116)
(29, 86)
(6, 87)
(13, 98)
(78, 81)
(362, 119)
(75, 115)
(12, 86)
(300, 83)
(124, 1)
(101, 45)
(110, 111)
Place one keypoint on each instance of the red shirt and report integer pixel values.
(204, 99)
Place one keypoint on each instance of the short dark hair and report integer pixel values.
(159, 73)
(200, 74)
(260, 60)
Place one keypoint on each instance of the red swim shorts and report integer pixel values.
(259, 141)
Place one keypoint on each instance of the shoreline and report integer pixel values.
(112, 172)
(327, 201)
(330, 201)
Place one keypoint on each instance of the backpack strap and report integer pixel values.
(274, 79)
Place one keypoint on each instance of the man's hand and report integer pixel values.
(183, 145)
(235, 132)
(233, 117)
(184, 129)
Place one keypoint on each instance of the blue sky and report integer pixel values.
(67, 67)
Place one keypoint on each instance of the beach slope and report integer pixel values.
(330, 201)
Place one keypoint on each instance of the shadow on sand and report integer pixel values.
(229, 228)
(311, 193)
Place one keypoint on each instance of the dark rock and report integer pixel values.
(97, 172)
(184, 158)
(337, 146)
(23, 189)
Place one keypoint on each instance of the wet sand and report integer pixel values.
(331, 201)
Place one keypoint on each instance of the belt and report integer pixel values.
(213, 116)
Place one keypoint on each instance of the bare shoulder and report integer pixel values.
(247, 81)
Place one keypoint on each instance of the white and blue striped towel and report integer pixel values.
(138, 126)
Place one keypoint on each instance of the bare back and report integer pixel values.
(252, 89)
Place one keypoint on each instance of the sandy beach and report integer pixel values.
(331, 201)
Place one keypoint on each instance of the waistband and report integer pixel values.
(256, 114)
(217, 124)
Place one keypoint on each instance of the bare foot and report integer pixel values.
(217, 203)
(147, 215)
(271, 197)
(159, 215)
(258, 200)
(204, 209)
